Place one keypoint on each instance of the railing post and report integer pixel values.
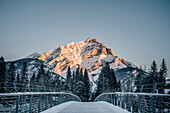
(39, 103)
(46, 102)
(151, 104)
(139, 104)
(30, 111)
(139, 99)
(17, 101)
(61, 98)
(124, 101)
(55, 100)
(116, 100)
(131, 103)
(152, 98)
(121, 100)
(58, 99)
(51, 101)
(111, 98)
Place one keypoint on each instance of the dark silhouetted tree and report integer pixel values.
(2, 74)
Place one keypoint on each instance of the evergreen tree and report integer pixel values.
(68, 80)
(74, 82)
(163, 70)
(87, 86)
(107, 80)
(40, 78)
(17, 82)
(80, 89)
(47, 80)
(103, 80)
(2, 74)
(24, 78)
(138, 82)
(112, 81)
(33, 83)
(119, 86)
(10, 78)
(152, 78)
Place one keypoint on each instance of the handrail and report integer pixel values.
(37, 93)
(130, 93)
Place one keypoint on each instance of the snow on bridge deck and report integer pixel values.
(85, 107)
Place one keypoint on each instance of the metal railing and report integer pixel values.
(33, 102)
(138, 102)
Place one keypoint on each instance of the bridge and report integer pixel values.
(62, 102)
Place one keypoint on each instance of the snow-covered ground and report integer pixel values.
(85, 107)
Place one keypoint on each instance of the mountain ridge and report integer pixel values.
(89, 54)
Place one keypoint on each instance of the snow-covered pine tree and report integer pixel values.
(2, 74)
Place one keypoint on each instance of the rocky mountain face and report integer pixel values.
(89, 54)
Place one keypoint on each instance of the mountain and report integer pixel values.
(89, 54)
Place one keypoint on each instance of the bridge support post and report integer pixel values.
(17, 104)
(39, 103)
(30, 111)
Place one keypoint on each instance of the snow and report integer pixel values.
(167, 90)
(85, 107)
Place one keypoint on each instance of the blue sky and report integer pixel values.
(137, 30)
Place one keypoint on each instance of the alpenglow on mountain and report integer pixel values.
(89, 54)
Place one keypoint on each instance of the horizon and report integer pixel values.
(137, 31)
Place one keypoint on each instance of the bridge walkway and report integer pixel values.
(85, 107)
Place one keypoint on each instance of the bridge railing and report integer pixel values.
(33, 102)
(138, 102)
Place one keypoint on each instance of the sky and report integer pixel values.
(136, 30)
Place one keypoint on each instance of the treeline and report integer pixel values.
(22, 82)
(76, 82)
(154, 78)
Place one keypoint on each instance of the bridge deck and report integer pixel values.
(85, 107)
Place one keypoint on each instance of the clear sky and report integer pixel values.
(137, 30)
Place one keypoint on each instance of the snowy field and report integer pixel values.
(85, 107)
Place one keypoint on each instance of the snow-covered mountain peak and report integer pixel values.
(89, 54)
